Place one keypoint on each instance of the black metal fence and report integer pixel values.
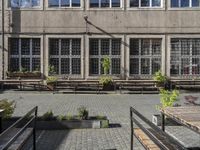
(18, 128)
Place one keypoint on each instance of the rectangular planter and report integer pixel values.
(156, 119)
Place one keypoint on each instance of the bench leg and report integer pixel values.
(163, 122)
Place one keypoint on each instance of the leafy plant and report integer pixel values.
(65, 117)
(159, 77)
(51, 79)
(168, 98)
(8, 107)
(106, 80)
(106, 64)
(51, 70)
(83, 113)
(99, 117)
(24, 70)
(48, 115)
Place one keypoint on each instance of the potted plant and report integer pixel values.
(167, 99)
(160, 79)
(106, 80)
(51, 82)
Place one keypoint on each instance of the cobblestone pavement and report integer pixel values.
(114, 106)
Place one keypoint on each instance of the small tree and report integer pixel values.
(8, 107)
(106, 64)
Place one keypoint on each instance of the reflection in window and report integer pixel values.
(185, 54)
(185, 3)
(105, 3)
(64, 3)
(24, 3)
(145, 56)
(94, 3)
(146, 3)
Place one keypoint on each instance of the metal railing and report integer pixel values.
(18, 124)
(167, 138)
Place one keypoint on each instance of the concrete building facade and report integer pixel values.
(73, 36)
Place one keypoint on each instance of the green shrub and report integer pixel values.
(51, 79)
(65, 117)
(106, 80)
(168, 98)
(48, 115)
(51, 70)
(99, 117)
(106, 64)
(8, 107)
(83, 113)
(159, 77)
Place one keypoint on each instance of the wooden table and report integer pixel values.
(188, 116)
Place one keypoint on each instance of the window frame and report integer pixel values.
(150, 7)
(64, 7)
(106, 8)
(182, 8)
(8, 4)
(20, 56)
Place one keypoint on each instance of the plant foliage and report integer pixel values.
(83, 113)
(8, 107)
(159, 77)
(48, 115)
(106, 64)
(51, 79)
(106, 80)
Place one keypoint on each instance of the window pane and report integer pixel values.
(156, 62)
(25, 64)
(145, 46)
(94, 3)
(65, 3)
(116, 3)
(156, 47)
(134, 46)
(105, 47)
(14, 3)
(35, 2)
(196, 47)
(65, 46)
(53, 3)
(14, 64)
(174, 3)
(94, 66)
(116, 46)
(94, 47)
(145, 3)
(76, 66)
(156, 3)
(55, 62)
(185, 66)
(145, 66)
(76, 3)
(65, 66)
(76, 46)
(105, 3)
(134, 3)
(185, 47)
(175, 57)
(25, 46)
(134, 66)
(36, 46)
(36, 64)
(25, 3)
(14, 46)
(54, 46)
(185, 3)
(195, 66)
(195, 3)
(115, 65)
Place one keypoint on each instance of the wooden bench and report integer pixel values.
(141, 86)
(149, 135)
(15, 137)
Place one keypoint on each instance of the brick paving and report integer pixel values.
(114, 106)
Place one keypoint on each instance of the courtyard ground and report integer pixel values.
(114, 106)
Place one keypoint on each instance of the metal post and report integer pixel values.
(34, 130)
(131, 116)
(1, 115)
(163, 122)
(2, 15)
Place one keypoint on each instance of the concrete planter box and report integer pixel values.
(54, 124)
(157, 120)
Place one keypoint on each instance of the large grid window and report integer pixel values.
(65, 56)
(24, 54)
(146, 3)
(185, 57)
(24, 3)
(100, 48)
(64, 3)
(145, 56)
(185, 3)
(105, 3)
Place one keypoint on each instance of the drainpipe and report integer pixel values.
(2, 15)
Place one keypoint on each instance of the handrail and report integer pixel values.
(32, 119)
(155, 128)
